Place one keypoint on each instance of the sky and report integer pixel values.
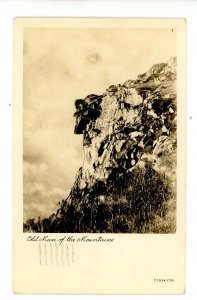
(61, 65)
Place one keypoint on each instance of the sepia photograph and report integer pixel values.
(99, 125)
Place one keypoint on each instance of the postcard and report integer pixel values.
(99, 156)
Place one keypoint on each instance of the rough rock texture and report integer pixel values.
(126, 123)
(127, 182)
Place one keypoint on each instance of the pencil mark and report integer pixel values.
(51, 254)
(45, 254)
(62, 255)
(56, 254)
(67, 255)
(40, 255)
(73, 254)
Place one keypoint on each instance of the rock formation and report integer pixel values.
(127, 182)
(126, 123)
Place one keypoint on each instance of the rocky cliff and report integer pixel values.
(127, 182)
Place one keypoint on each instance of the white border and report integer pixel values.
(140, 8)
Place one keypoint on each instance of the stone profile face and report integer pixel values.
(126, 125)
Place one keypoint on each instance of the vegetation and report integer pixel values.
(136, 202)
